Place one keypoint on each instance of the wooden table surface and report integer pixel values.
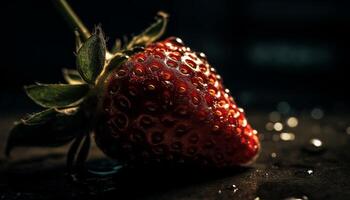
(284, 170)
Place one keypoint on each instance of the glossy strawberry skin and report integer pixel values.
(167, 104)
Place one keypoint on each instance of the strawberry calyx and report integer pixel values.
(70, 109)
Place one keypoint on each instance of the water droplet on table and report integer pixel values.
(232, 188)
(273, 155)
(278, 126)
(287, 136)
(316, 142)
(314, 145)
(292, 122)
(297, 198)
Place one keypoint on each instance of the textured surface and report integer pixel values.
(285, 169)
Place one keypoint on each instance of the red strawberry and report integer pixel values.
(147, 102)
(168, 103)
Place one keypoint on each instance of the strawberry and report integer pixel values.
(145, 102)
(168, 103)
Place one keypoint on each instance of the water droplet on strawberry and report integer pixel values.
(171, 63)
(236, 115)
(165, 75)
(175, 40)
(151, 87)
(191, 63)
(175, 56)
(140, 58)
(139, 70)
(154, 66)
(181, 87)
(218, 113)
(216, 128)
(212, 91)
(239, 131)
(201, 55)
(203, 68)
(158, 54)
(212, 79)
(184, 69)
(195, 99)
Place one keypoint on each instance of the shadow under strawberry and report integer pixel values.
(145, 181)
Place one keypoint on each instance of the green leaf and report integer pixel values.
(91, 57)
(40, 117)
(45, 129)
(152, 33)
(72, 76)
(57, 95)
(67, 111)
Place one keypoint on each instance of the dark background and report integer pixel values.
(267, 51)
(279, 58)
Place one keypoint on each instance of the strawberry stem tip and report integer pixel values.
(72, 18)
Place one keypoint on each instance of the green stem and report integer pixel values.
(72, 18)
